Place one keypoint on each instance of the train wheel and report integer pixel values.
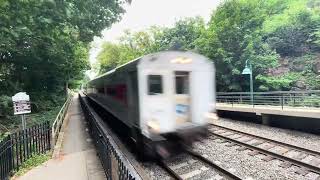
(138, 143)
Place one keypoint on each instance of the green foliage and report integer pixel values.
(295, 38)
(312, 80)
(12, 123)
(6, 106)
(316, 35)
(34, 161)
(284, 82)
(262, 32)
(180, 37)
(44, 44)
(234, 36)
(267, 33)
(113, 55)
(312, 101)
(44, 49)
(300, 76)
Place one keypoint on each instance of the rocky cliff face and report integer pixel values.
(316, 66)
(306, 67)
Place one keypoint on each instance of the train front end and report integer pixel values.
(176, 91)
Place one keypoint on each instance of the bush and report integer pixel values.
(6, 106)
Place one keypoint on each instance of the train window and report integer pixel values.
(101, 90)
(111, 91)
(155, 84)
(182, 82)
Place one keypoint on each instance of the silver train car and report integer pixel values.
(162, 98)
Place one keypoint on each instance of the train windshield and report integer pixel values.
(155, 84)
(182, 82)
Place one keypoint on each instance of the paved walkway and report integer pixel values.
(77, 160)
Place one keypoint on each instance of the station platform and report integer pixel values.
(305, 112)
(77, 159)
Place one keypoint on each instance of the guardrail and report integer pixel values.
(114, 163)
(275, 98)
(57, 123)
(17, 147)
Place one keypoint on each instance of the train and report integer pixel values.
(163, 99)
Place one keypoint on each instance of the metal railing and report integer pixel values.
(57, 123)
(115, 164)
(276, 98)
(16, 148)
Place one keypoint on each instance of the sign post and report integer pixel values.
(21, 106)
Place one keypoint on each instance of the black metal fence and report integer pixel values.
(16, 148)
(276, 98)
(115, 165)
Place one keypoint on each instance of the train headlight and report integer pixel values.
(153, 126)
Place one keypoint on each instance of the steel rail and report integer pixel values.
(309, 151)
(212, 164)
(310, 167)
(162, 164)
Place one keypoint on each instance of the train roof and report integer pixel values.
(152, 58)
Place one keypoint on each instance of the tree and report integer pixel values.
(181, 36)
(273, 35)
(109, 57)
(45, 43)
(233, 37)
(294, 38)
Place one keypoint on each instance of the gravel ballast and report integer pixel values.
(244, 165)
(306, 140)
(240, 162)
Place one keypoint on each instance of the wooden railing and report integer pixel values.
(57, 123)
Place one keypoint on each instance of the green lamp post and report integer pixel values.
(248, 70)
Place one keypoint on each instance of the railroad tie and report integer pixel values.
(178, 166)
(301, 156)
(229, 134)
(253, 153)
(302, 171)
(242, 148)
(257, 143)
(285, 164)
(268, 146)
(230, 144)
(268, 158)
(315, 162)
(191, 174)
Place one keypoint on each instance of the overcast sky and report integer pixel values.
(141, 14)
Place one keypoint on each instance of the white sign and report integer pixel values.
(21, 103)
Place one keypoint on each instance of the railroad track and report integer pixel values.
(201, 167)
(308, 160)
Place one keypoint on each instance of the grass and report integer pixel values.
(32, 162)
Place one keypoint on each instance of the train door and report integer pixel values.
(156, 101)
(182, 97)
(133, 101)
